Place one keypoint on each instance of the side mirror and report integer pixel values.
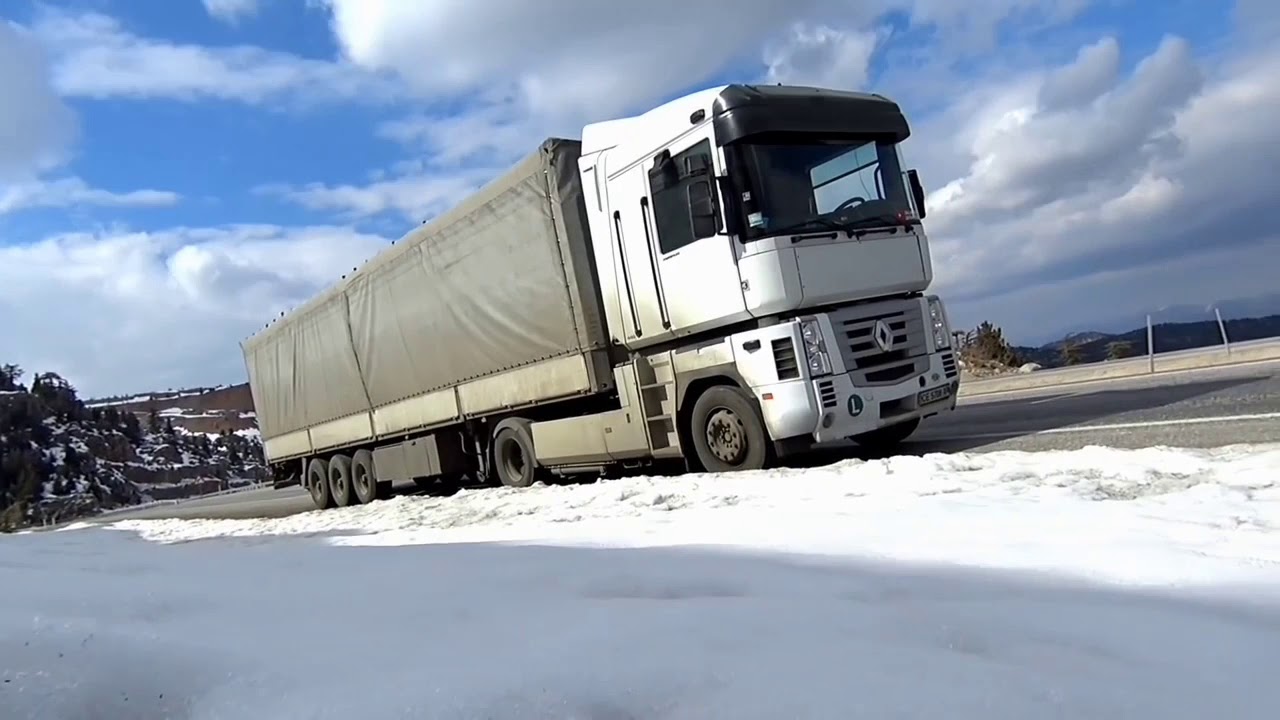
(697, 165)
(917, 192)
(702, 209)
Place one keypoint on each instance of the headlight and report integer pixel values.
(815, 348)
(938, 319)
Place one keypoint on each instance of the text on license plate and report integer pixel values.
(933, 395)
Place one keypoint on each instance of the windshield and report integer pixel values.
(815, 183)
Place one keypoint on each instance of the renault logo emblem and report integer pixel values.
(883, 336)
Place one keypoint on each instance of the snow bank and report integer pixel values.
(1156, 516)
(396, 610)
(104, 625)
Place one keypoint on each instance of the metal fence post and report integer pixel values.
(1151, 347)
(1222, 327)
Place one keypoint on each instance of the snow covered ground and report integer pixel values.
(1097, 583)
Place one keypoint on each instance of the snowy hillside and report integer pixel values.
(60, 460)
(1005, 586)
(219, 409)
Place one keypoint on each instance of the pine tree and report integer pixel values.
(71, 458)
(988, 345)
(132, 428)
(10, 374)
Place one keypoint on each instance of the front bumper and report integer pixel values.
(832, 409)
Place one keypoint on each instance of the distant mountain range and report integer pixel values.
(1260, 306)
(1096, 346)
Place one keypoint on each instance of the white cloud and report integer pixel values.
(455, 155)
(491, 133)
(566, 59)
(1110, 180)
(96, 57)
(1041, 151)
(72, 192)
(231, 11)
(37, 134)
(415, 196)
(120, 310)
(821, 56)
(1258, 20)
(36, 128)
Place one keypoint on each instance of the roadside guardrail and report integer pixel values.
(1244, 353)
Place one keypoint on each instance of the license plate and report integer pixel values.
(933, 395)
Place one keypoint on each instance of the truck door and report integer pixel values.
(644, 310)
(697, 260)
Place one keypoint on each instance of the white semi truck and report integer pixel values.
(729, 278)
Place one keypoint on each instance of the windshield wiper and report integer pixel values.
(848, 227)
(870, 221)
(819, 221)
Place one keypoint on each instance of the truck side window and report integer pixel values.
(670, 182)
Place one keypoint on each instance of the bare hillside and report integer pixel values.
(226, 408)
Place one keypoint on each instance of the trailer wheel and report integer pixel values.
(340, 480)
(364, 482)
(318, 483)
(728, 432)
(513, 457)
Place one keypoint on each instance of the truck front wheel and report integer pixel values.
(728, 432)
(318, 483)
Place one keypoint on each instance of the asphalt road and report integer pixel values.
(1201, 408)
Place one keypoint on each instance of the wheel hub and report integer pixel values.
(513, 456)
(726, 436)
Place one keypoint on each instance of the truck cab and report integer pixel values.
(779, 229)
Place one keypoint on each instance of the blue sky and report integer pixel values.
(172, 174)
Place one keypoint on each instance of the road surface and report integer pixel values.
(1206, 408)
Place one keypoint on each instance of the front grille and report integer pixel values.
(827, 393)
(784, 359)
(949, 365)
(903, 327)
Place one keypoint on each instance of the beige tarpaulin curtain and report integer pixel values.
(502, 281)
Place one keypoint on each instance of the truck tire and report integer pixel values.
(318, 483)
(364, 481)
(513, 458)
(340, 480)
(887, 438)
(728, 431)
